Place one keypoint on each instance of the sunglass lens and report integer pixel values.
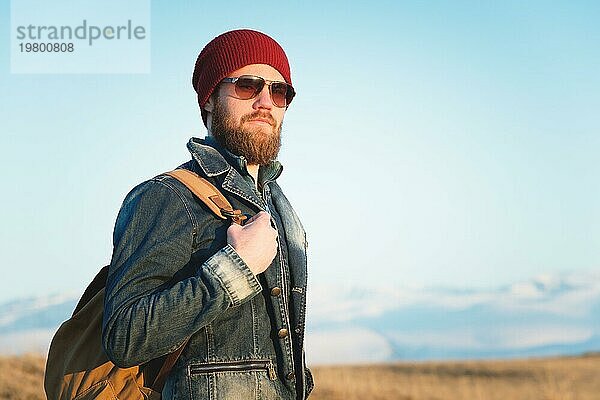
(278, 91)
(246, 87)
(282, 94)
(289, 96)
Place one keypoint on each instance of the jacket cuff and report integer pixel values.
(235, 276)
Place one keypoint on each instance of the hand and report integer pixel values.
(255, 242)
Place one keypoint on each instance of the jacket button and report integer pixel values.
(282, 333)
(290, 376)
(276, 291)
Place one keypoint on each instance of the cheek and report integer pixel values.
(278, 114)
(234, 111)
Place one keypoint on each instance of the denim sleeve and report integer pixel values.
(144, 316)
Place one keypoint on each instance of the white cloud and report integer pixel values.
(352, 345)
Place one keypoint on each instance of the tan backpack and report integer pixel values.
(78, 368)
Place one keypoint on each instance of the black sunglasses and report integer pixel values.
(249, 86)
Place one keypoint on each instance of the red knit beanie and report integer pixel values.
(231, 51)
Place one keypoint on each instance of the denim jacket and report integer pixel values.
(173, 276)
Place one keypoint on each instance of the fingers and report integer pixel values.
(234, 227)
(255, 242)
(259, 222)
(261, 216)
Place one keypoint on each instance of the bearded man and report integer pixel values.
(235, 295)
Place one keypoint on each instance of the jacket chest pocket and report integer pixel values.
(243, 379)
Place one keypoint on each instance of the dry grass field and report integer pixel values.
(22, 377)
(564, 378)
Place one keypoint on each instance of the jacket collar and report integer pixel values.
(215, 160)
(208, 157)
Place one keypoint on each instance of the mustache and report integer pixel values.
(259, 114)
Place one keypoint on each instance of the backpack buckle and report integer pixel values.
(235, 216)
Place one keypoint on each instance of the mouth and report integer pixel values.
(260, 118)
(260, 121)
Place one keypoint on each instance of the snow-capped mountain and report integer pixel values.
(28, 325)
(544, 316)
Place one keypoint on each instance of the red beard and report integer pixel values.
(259, 146)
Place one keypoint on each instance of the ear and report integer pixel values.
(209, 106)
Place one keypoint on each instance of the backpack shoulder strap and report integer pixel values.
(220, 206)
(208, 193)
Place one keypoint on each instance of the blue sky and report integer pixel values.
(430, 144)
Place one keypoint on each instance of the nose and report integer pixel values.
(263, 99)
